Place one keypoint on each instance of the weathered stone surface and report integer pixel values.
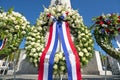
(24, 66)
(95, 66)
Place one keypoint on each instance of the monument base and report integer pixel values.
(94, 67)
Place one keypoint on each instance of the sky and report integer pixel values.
(88, 9)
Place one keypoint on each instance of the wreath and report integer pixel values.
(106, 28)
(36, 39)
(13, 27)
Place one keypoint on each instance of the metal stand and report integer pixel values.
(14, 63)
(61, 77)
(106, 68)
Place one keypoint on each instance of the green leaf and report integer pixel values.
(10, 10)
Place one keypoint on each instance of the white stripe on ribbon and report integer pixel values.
(117, 38)
(46, 65)
(71, 55)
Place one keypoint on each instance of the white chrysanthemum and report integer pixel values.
(56, 59)
(62, 68)
(81, 54)
(55, 66)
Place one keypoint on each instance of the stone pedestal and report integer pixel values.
(94, 67)
(63, 2)
(115, 65)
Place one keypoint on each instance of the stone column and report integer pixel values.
(63, 2)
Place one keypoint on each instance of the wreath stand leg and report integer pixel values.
(61, 77)
(14, 63)
(106, 68)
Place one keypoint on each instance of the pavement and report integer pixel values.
(34, 77)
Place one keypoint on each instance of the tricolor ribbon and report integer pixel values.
(59, 28)
(2, 43)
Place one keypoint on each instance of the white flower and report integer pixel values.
(83, 58)
(11, 30)
(56, 59)
(82, 34)
(104, 25)
(60, 55)
(31, 54)
(108, 15)
(55, 66)
(32, 43)
(86, 44)
(81, 54)
(39, 28)
(23, 27)
(35, 55)
(35, 60)
(87, 54)
(33, 50)
(62, 68)
(29, 46)
(40, 54)
(90, 41)
(46, 10)
(36, 65)
(84, 39)
(38, 41)
(17, 27)
(89, 48)
(63, 59)
(38, 37)
(85, 50)
(23, 32)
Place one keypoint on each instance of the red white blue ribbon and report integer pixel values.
(2, 43)
(61, 29)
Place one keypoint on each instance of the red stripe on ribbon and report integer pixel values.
(42, 58)
(78, 71)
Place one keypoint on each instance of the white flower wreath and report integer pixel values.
(13, 27)
(35, 41)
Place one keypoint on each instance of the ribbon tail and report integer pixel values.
(66, 53)
(78, 71)
(51, 61)
(42, 58)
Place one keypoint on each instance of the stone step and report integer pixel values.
(34, 77)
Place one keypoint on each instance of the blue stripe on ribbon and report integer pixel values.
(69, 69)
(51, 60)
(1, 42)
